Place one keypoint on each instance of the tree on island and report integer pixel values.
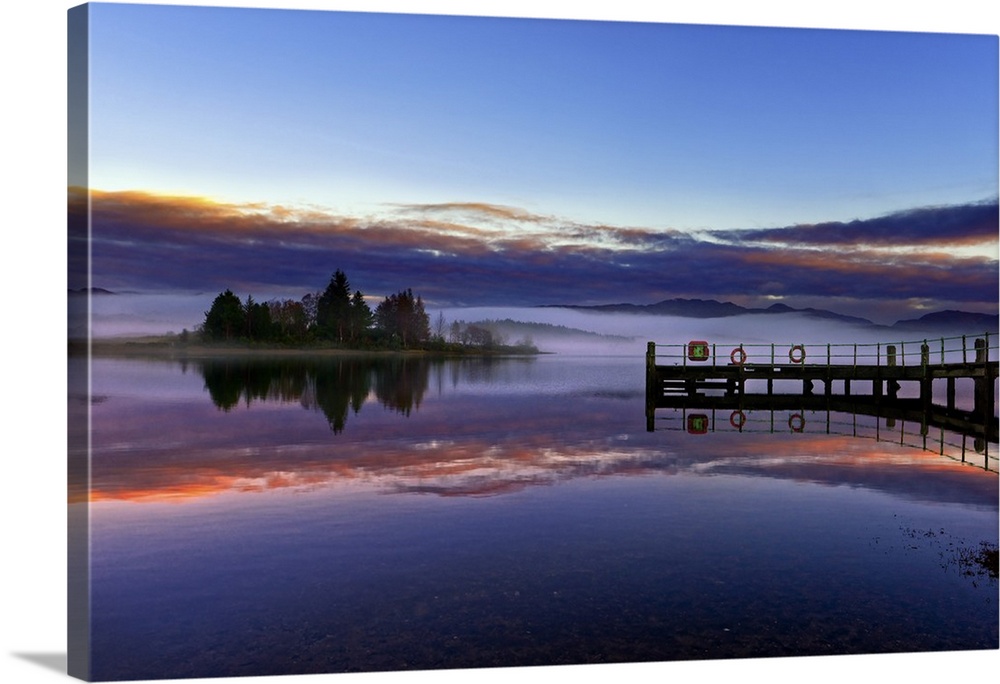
(334, 308)
(343, 318)
(258, 320)
(224, 321)
(360, 318)
(230, 319)
(401, 318)
(289, 319)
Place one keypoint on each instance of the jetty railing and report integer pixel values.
(944, 350)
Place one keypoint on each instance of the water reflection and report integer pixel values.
(338, 387)
(335, 387)
(504, 513)
(961, 443)
(965, 436)
(472, 428)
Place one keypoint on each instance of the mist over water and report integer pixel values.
(128, 314)
(578, 332)
(638, 329)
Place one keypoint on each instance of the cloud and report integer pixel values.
(483, 254)
(948, 226)
(477, 209)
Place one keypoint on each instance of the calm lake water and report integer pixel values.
(301, 516)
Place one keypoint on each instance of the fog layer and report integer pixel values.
(574, 331)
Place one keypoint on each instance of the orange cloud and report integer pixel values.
(494, 211)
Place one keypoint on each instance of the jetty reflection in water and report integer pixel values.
(965, 439)
(321, 515)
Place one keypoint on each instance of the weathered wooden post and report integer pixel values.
(770, 377)
(877, 381)
(926, 379)
(984, 381)
(982, 353)
(651, 382)
(828, 383)
(890, 360)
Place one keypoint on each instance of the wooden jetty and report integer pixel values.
(859, 378)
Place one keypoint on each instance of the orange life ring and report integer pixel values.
(738, 352)
(737, 419)
(801, 354)
(796, 422)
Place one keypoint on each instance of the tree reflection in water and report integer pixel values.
(336, 387)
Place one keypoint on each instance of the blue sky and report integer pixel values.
(644, 124)
(527, 161)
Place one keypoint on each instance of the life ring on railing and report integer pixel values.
(697, 350)
(738, 356)
(697, 424)
(737, 419)
(801, 354)
(796, 422)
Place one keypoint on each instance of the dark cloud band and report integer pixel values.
(478, 254)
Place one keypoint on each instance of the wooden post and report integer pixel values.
(877, 382)
(651, 382)
(847, 382)
(984, 384)
(926, 380)
(890, 359)
(828, 385)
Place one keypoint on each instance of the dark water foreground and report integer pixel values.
(253, 518)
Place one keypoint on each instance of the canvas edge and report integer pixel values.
(78, 346)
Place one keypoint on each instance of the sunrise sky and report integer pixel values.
(486, 161)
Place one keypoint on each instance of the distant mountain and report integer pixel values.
(710, 308)
(950, 321)
(816, 313)
(962, 321)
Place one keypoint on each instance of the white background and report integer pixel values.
(33, 457)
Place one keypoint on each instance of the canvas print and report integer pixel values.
(410, 342)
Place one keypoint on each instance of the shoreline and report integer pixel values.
(171, 348)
